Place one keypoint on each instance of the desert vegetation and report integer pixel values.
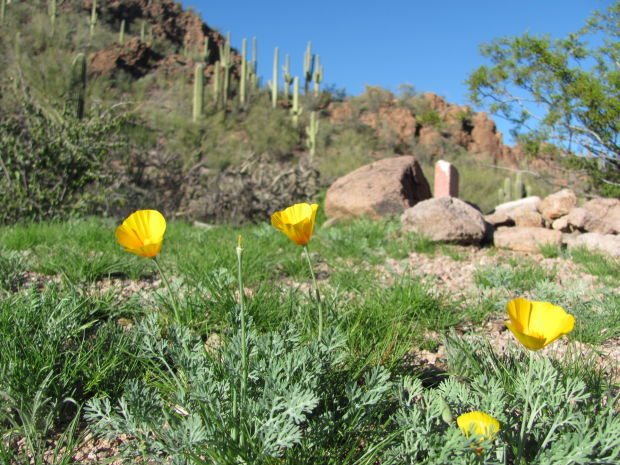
(225, 321)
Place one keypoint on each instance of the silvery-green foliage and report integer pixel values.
(192, 407)
(564, 422)
(425, 435)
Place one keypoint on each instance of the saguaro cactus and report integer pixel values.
(296, 109)
(254, 52)
(274, 82)
(519, 191)
(205, 49)
(225, 63)
(511, 191)
(2, 10)
(143, 31)
(51, 10)
(244, 71)
(253, 75)
(198, 91)
(77, 85)
(93, 18)
(288, 79)
(308, 66)
(121, 32)
(312, 131)
(317, 76)
(217, 86)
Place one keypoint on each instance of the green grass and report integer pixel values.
(516, 276)
(12, 269)
(597, 315)
(597, 264)
(551, 250)
(91, 340)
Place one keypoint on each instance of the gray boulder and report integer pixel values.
(446, 219)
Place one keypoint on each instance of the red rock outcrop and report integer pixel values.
(167, 20)
(134, 57)
(474, 132)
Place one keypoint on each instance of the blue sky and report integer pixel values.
(432, 45)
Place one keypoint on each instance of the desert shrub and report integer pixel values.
(269, 130)
(49, 166)
(251, 190)
(346, 150)
(430, 118)
(372, 99)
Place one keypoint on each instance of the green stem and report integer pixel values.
(316, 291)
(526, 412)
(175, 304)
(244, 342)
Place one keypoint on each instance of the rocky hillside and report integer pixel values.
(203, 138)
(189, 39)
(435, 121)
(472, 131)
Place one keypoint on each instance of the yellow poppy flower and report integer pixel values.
(479, 423)
(142, 232)
(297, 222)
(537, 324)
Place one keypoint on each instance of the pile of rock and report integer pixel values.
(397, 186)
(527, 223)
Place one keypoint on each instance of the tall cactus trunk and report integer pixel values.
(93, 19)
(274, 82)
(77, 86)
(244, 71)
(216, 84)
(296, 109)
(198, 92)
(121, 32)
(51, 10)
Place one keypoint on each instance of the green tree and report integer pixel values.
(563, 93)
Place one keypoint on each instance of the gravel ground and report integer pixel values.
(456, 277)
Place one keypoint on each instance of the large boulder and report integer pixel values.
(446, 219)
(558, 204)
(385, 187)
(603, 216)
(525, 239)
(607, 243)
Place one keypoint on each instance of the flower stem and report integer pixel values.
(526, 411)
(175, 303)
(316, 291)
(244, 342)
